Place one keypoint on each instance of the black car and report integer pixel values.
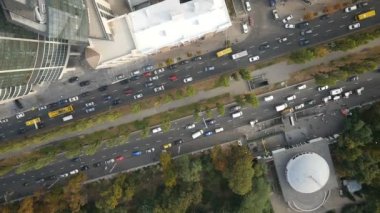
(53, 177)
(84, 83)
(235, 108)
(362, 4)
(353, 78)
(324, 17)
(41, 125)
(85, 94)
(21, 131)
(135, 78)
(125, 81)
(116, 102)
(149, 84)
(63, 101)
(73, 79)
(103, 88)
(311, 102)
(304, 42)
(18, 104)
(97, 164)
(26, 184)
(303, 25)
(211, 122)
(198, 58)
(173, 66)
(53, 105)
(77, 159)
(184, 62)
(107, 98)
(84, 168)
(264, 46)
(178, 142)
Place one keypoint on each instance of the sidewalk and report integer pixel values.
(275, 73)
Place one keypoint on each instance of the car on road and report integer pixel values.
(323, 88)
(301, 87)
(116, 101)
(136, 153)
(85, 94)
(248, 5)
(156, 130)
(208, 133)
(305, 32)
(268, 98)
(245, 27)
(119, 158)
(282, 39)
(347, 94)
(138, 96)
(154, 78)
(254, 58)
(159, 88)
(73, 99)
(120, 77)
(73, 79)
(220, 129)
(92, 109)
(291, 98)
(300, 106)
(150, 150)
(103, 88)
(149, 84)
(107, 97)
(235, 108)
(63, 101)
(287, 18)
(210, 122)
(173, 66)
(89, 104)
(128, 91)
(337, 97)
(264, 46)
(237, 114)
(327, 99)
(167, 146)
(148, 67)
(109, 161)
(354, 26)
(187, 79)
(173, 77)
(311, 102)
(275, 14)
(125, 81)
(197, 58)
(135, 78)
(84, 83)
(147, 74)
(353, 78)
(304, 42)
(20, 115)
(64, 175)
(360, 90)
(4, 120)
(84, 168)
(136, 73)
(209, 68)
(97, 164)
(362, 4)
(336, 91)
(159, 70)
(303, 25)
(184, 62)
(41, 180)
(290, 26)
(73, 172)
(190, 126)
(350, 9)
(40, 108)
(178, 142)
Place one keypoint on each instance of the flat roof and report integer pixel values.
(170, 23)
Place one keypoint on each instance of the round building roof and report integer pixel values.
(307, 172)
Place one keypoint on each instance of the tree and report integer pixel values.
(245, 74)
(344, 44)
(320, 51)
(169, 61)
(220, 109)
(188, 171)
(73, 192)
(26, 205)
(301, 56)
(223, 81)
(239, 100)
(328, 9)
(208, 112)
(258, 200)
(166, 124)
(165, 160)
(169, 174)
(252, 99)
(219, 158)
(309, 16)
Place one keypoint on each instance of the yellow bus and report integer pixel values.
(366, 15)
(61, 111)
(33, 121)
(224, 52)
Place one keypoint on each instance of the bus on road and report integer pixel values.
(61, 111)
(239, 54)
(366, 15)
(224, 52)
(33, 121)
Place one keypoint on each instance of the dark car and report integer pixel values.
(53, 177)
(149, 84)
(173, 66)
(304, 42)
(184, 62)
(26, 184)
(128, 91)
(63, 101)
(353, 78)
(211, 122)
(264, 46)
(84, 168)
(84, 83)
(103, 88)
(235, 108)
(311, 102)
(107, 97)
(324, 17)
(272, 3)
(41, 180)
(125, 81)
(85, 94)
(198, 58)
(97, 164)
(178, 142)
(362, 4)
(73, 79)
(41, 125)
(18, 104)
(77, 159)
(21, 131)
(305, 32)
(303, 25)
(53, 105)
(135, 78)
(208, 133)
(116, 102)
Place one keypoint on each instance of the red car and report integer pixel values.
(128, 91)
(147, 74)
(173, 77)
(119, 158)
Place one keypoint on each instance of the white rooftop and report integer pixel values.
(170, 23)
(307, 172)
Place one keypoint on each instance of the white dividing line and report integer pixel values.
(125, 150)
(315, 34)
(114, 153)
(317, 25)
(291, 34)
(252, 46)
(158, 141)
(201, 62)
(136, 147)
(341, 26)
(225, 63)
(304, 98)
(331, 21)
(61, 168)
(289, 43)
(147, 144)
(103, 156)
(229, 121)
(344, 17)
(115, 90)
(92, 97)
(329, 30)
(276, 47)
(137, 139)
(317, 95)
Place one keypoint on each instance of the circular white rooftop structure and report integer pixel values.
(307, 172)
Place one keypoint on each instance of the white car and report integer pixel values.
(254, 58)
(354, 26)
(159, 70)
(75, 171)
(154, 78)
(187, 79)
(245, 27)
(190, 126)
(109, 161)
(248, 6)
(64, 175)
(90, 104)
(350, 9)
(283, 39)
(275, 14)
(150, 150)
(268, 98)
(291, 98)
(286, 19)
(73, 99)
(326, 99)
(337, 97)
(40, 108)
(301, 87)
(20, 115)
(323, 88)
(300, 106)
(92, 109)
(138, 95)
(156, 130)
(4, 120)
(290, 26)
(160, 88)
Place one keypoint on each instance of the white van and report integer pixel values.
(67, 118)
(217, 130)
(237, 114)
(197, 134)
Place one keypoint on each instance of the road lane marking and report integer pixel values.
(315, 34)
(289, 43)
(343, 17)
(317, 25)
(331, 21)
(329, 30)
(291, 34)
(125, 150)
(115, 90)
(252, 46)
(276, 47)
(225, 63)
(341, 26)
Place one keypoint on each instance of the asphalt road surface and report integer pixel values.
(13, 185)
(322, 30)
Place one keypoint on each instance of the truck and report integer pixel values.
(239, 55)
(281, 107)
(197, 134)
(336, 91)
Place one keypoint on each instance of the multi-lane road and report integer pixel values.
(323, 30)
(13, 184)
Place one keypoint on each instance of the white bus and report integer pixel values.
(197, 134)
(239, 54)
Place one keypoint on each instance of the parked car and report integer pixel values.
(287, 18)
(147, 74)
(264, 46)
(103, 88)
(323, 88)
(125, 81)
(290, 26)
(149, 84)
(245, 27)
(18, 104)
(303, 25)
(84, 83)
(178, 142)
(119, 158)
(282, 39)
(311, 102)
(4, 120)
(148, 67)
(116, 101)
(254, 58)
(159, 88)
(300, 106)
(235, 108)
(156, 130)
(73, 172)
(350, 9)
(173, 77)
(128, 91)
(209, 68)
(167, 146)
(40, 108)
(268, 98)
(136, 153)
(354, 26)
(208, 133)
(73, 99)
(20, 115)
(275, 14)
(154, 78)
(291, 98)
(187, 79)
(73, 79)
(304, 42)
(107, 97)
(138, 96)
(301, 87)
(159, 70)
(353, 78)
(89, 104)
(248, 6)
(210, 122)
(92, 109)
(190, 126)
